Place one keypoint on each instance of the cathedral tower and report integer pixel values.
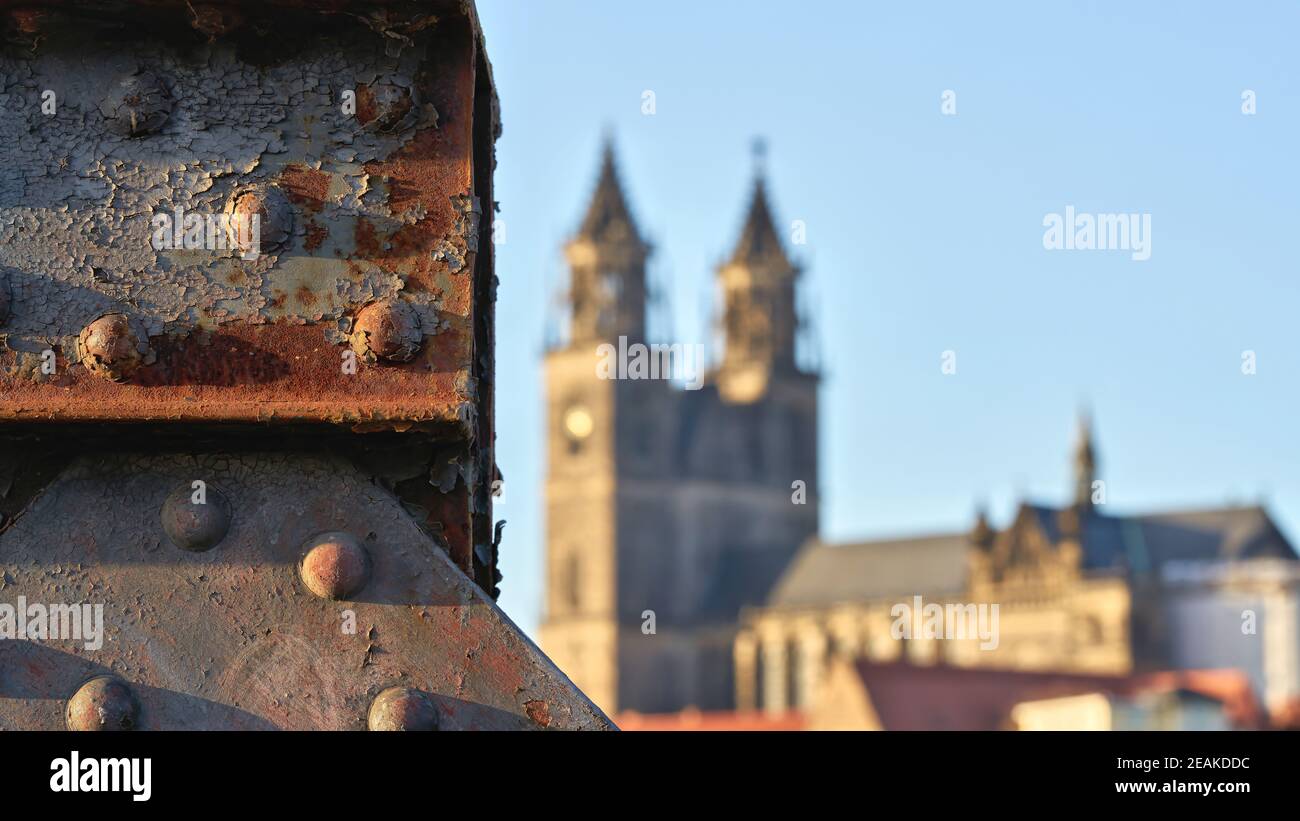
(606, 299)
(760, 322)
(671, 510)
(607, 283)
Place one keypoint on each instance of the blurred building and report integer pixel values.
(1244, 615)
(683, 568)
(866, 695)
(668, 510)
(726, 721)
(1077, 590)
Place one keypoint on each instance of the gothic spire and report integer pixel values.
(982, 534)
(760, 323)
(759, 241)
(1085, 462)
(608, 219)
(607, 262)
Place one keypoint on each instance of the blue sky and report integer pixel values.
(925, 234)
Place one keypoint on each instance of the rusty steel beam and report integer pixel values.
(246, 370)
(377, 205)
(275, 609)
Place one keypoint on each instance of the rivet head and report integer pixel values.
(112, 347)
(213, 20)
(387, 330)
(105, 703)
(386, 105)
(403, 708)
(274, 215)
(196, 525)
(137, 105)
(29, 22)
(334, 565)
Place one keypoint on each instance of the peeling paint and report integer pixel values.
(76, 198)
(378, 207)
(463, 241)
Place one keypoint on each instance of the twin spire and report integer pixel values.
(608, 284)
(608, 219)
(759, 241)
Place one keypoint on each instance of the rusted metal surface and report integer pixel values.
(403, 709)
(335, 566)
(103, 704)
(261, 444)
(232, 638)
(369, 302)
(195, 520)
(388, 330)
(114, 347)
(362, 200)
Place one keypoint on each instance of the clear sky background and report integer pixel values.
(924, 234)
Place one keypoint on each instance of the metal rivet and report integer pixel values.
(388, 330)
(274, 218)
(29, 22)
(385, 105)
(334, 565)
(213, 20)
(137, 105)
(403, 708)
(103, 703)
(196, 527)
(112, 347)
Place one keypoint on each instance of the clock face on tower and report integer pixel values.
(578, 423)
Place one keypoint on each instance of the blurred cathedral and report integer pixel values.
(682, 559)
(669, 510)
(1078, 590)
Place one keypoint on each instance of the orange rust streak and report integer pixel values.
(251, 373)
(316, 234)
(425, 173)
(307, 187)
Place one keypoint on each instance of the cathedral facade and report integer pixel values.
(669, 511)
(683, 568)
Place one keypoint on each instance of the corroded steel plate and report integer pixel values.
(231, 636)
(361, 123)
